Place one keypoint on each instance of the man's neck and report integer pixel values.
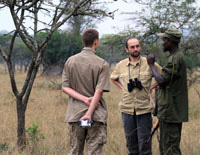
(134, 60)
(93, 48)
(173, 49)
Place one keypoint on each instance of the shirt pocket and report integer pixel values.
(145, 80)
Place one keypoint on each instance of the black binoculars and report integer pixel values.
(134, 84)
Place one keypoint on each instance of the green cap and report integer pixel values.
(172, 34)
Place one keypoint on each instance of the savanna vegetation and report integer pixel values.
(47, 133)
(34, 104)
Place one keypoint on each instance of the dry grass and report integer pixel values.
(47, 106)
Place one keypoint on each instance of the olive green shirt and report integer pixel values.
(173, 100)
(85, 73)
(137, 100)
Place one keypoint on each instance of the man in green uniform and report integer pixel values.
(173, 101)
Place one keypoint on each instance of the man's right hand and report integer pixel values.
(86, 117)
(89, 100)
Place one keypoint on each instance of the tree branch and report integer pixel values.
(28, 77)
(30, 84)
(82, 3)
(32, 4)
(24, 36)
(12, 78)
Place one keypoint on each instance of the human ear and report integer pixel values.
(126, 49)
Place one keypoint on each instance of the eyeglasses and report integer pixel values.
(136, 46)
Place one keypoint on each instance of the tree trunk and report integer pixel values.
(21, 137)
(14, 65)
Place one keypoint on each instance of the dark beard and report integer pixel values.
(135, 56)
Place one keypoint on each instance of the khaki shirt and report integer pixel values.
(137, 99)
(173, 100)
(85, 73)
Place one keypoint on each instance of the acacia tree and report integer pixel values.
(61, 46)
(158, 15)
(79, 23)
(155, 16)
(22, 11)
(113, 45)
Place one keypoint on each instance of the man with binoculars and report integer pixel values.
(133, 75)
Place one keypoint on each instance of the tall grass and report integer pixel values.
(47, 107)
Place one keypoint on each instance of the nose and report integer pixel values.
(135, 49)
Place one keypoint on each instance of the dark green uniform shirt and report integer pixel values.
(173, 100)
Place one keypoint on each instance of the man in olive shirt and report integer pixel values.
(173, 102)
(85, 78)
(133, 75)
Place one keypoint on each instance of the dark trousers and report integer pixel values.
(137, 130)
(170, 137)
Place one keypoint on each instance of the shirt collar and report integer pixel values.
(89, 50)
(175, 51)
(129, 62)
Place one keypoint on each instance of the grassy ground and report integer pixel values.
(47, 106)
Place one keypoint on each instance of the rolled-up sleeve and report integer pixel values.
(65, 75)
(103, 79)
(115, 73)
